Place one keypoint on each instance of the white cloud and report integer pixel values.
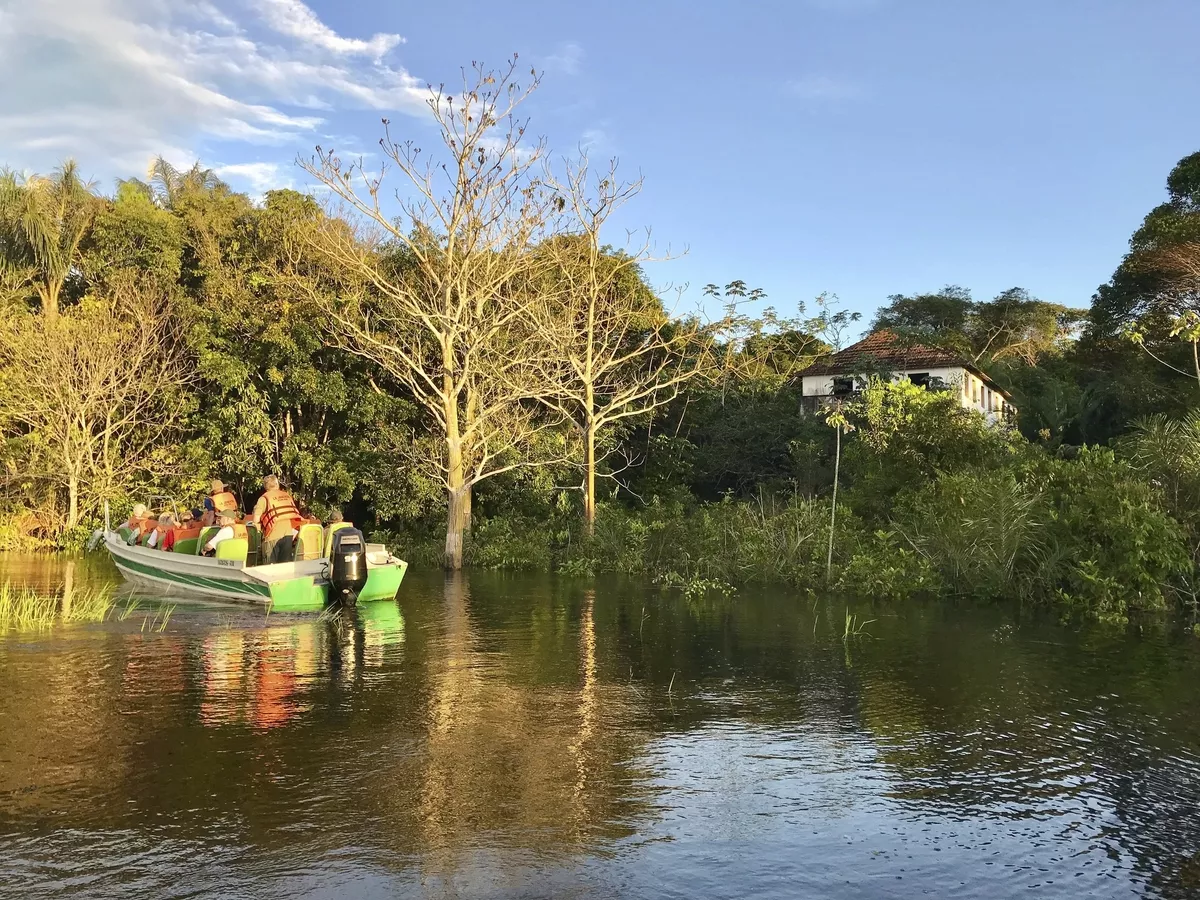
(120, 81)
(260, 177)
(823, 88)
(294, 19)
(595, 141)
(567, 59)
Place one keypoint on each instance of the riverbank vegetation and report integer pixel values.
(476, 371)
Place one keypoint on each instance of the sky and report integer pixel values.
(857, 147)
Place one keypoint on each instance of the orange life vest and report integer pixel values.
(145, 526)
(178, 533)
(188, 531)
(239, 530)
(281, 510)
(223, 500)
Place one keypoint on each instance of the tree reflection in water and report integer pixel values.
(483, 734)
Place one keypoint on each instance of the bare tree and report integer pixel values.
(97, 390)
(614, 353)
(433, 294)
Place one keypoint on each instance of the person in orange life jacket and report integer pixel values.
(158, 536)
(189, 527)
(185, 519)
(277, 518)
(230, 528)
(135, 522)
(218, 499)
(141, 523)
(135, 517)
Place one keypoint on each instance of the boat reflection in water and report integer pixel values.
(261, 676)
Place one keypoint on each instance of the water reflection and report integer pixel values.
(513, 736)
(263, 676)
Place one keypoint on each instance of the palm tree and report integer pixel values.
(43, 220)
(1168, 451)
(169, 183)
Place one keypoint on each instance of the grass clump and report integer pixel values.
(27, 609)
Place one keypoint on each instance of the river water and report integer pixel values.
(493, 736)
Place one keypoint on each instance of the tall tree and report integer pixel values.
(431, 291)
(43, 221)
(614, 353)
(1145, 288)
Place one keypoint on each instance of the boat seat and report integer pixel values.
(329, 532)
(308, 541)
(186, 538)
(233, 548)
(206, 535)
(254, 539)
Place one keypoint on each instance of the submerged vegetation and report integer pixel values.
(477, 373)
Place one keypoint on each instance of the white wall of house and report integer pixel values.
(973, 392)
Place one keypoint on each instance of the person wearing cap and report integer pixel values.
(230, 528)
(218, 499)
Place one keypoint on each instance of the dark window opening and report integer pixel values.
(843, 386)
(920, 379)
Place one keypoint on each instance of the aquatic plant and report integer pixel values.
(24, 608)
(855, 627)
(158, 622)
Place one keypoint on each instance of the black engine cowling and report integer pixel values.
(347, 566)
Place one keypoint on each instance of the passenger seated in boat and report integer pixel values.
(336, 523)
(218, 499)
(141, 525)
(186, 522)
(135, 518)
(133, 525)
(155, 538)
(230, 528)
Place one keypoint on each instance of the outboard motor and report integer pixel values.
(347, 566)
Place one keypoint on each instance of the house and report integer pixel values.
(883, 353)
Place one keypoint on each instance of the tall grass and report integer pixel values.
(26, 609)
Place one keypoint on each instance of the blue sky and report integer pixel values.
(861, 147)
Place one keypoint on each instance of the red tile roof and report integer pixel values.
(885, 350)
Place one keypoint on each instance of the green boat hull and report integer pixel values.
(282, 586)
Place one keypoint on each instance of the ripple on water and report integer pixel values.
(509, 737)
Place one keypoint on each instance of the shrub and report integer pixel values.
(980, 530)
(509, 543)
(1115, 545)
(883, 568)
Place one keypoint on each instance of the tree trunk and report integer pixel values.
(49, 297)
(456, 521)
(589, 485)
(72, 501)
(459, 492)
(469, 490)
